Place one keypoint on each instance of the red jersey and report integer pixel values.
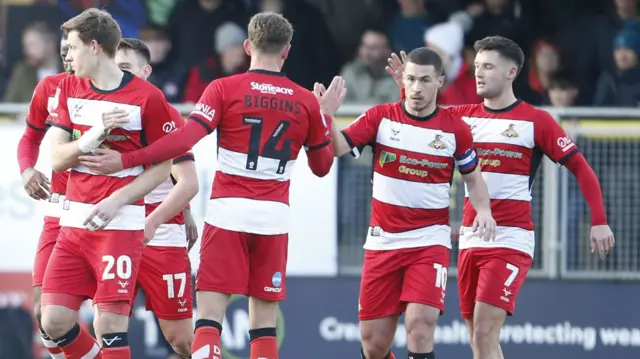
(510, 144)
(171, 233)
(263, 120)
(39, 109)
(77, 107)
(414, 160)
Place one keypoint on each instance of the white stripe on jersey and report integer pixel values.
(169, 235)
(159, 193)
(128, 218)
(248, 215)
(506, 237)
(235, 163)
(410, 194)
(53, 207)
(87, 112)
(496, 130)
(436, 235)
(127, 172)
(415, 139)
(506, 186)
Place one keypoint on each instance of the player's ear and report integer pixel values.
(513, 72)
(285, 51)
(95, 47)
(146, 70)
(441, 80)
(247, 47)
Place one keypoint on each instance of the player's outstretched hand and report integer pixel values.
(102, 213)
(102, 161)
(396, 67)
(484, 226)
(35, 183)
(191, 228)
(330, 98)
(115, 118)
(602, 240)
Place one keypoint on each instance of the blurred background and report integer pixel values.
(582, 66)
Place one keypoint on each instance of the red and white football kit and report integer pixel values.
(28, 151)
(263, 120)
(409, 239)
(102, 264)
(510, 144)
(165, 270)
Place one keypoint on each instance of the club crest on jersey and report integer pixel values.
(510, 132)
(437, 143)
(386, 157)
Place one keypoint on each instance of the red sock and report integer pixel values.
(116, 353)
(54, 351)
(264, 348)
(206, 344)
(79, 344)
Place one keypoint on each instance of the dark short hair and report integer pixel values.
(153, 32)
(137, 46)
(503, 46)
(94, 24)
(425, 56)
(562, 81)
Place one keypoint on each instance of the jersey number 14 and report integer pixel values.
(269, 150)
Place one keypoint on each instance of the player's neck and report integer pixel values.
(421, 113)
(265, 63)
(107, 76)
(504, 100)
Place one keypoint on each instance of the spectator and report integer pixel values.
(41, 52)
(498, 18)
(460, 84)
(545, 62)
(366, 78)
(230, 59)
(563, 91)
(621, 87)
(167, 76)
(193, 23)
(627, 11)
(409, 25)
(313, 52)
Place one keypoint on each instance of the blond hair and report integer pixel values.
(269, 32)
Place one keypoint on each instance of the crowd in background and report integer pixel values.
(578, 52)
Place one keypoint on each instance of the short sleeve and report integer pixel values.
(58, 109)
(465, 155)
(552, 139)
(159, 118)
(208, 110)
(362, 131)
(318, 133)
(38, 108)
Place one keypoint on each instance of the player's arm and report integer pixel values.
(203, 120)
(186, 187)
(359, 134)
(146, 182)
(318, 142)
(29, 145)
(478, 191)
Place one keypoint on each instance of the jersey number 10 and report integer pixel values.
(269, 149)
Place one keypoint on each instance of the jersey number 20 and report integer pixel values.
(269, 149)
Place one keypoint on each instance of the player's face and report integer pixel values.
(82, 57)
(64, 49)
(494, 73)
(421, 85)
(130, 61)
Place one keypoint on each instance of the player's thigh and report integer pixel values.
(165, 279)
(468, 274)
(48, 237)
(425, 278)
(381, 284)
(267, 266)
(502, 274)
(224, 261)
(68, 278)
(116, 257)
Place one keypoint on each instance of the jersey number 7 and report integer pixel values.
(269, 149)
